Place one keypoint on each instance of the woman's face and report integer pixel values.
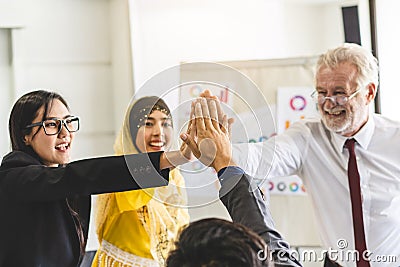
(52, 149)
(155, 134)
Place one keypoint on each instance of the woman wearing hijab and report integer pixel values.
(138, 228)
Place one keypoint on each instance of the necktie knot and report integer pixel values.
(349, 144)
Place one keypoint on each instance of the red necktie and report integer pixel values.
(356, 204)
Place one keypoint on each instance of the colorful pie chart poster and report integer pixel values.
(293, 104)
(290, 185)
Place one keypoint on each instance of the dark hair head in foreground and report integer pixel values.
(216, 243)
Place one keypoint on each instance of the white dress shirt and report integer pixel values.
(318, 156)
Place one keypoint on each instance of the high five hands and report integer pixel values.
(208, 135)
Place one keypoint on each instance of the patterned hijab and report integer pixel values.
(164, 214)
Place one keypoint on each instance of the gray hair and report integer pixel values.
(365, 62)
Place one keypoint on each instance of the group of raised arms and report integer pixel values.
(141, 214)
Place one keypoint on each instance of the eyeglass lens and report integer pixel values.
(53, 126)
(339, 99)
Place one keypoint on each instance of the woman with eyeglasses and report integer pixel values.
(45, 199)
(138, 228)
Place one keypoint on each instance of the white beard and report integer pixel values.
(350, 122)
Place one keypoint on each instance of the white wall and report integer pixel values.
(166, 33)
(81, 49)
(5, 85)
(389, 57)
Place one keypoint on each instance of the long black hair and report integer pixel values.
(25, 111)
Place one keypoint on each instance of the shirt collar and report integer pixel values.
(363, 137)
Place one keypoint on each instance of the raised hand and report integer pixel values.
(185, 149)
(212, 147)
(209, 97)
(184, 154)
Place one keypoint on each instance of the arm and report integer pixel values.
(281, 155)
(247, 206)
(171, 159)
(23, 178)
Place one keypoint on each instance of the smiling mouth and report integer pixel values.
(62, 147)
(334, 113)
(157, 144)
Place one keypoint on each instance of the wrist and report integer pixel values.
(172, 159)
(220, 164)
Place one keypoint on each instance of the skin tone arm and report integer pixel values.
(171, 159)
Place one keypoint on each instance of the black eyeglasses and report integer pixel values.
(54, 126)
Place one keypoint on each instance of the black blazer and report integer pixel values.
(37, 226)
(248, 206)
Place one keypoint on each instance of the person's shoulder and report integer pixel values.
(385, 122)
(18, 159)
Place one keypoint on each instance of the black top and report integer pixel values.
(248, 206)
(37, 226)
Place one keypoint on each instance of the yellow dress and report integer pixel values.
(138, 228)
